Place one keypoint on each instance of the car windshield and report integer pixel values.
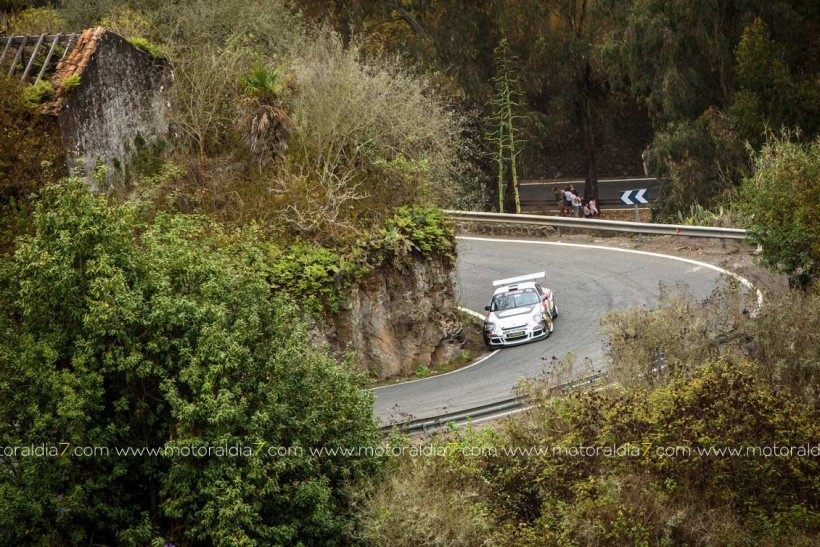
(514, 299)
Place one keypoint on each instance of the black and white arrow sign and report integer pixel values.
(633, 197)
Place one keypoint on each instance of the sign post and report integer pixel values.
(634, 197)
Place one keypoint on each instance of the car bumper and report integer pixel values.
(503, 340)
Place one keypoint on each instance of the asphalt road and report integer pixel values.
(535, 195)
(587, 283)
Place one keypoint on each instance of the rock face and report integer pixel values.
(119, 104)
(397, 321)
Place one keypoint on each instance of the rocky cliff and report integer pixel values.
(397, 320)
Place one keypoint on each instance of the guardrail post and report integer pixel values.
(638, 221)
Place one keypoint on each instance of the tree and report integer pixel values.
(768, 95)
(561, 78)
(118, 332)
(694, 62)
(205, 91)
(780, 206)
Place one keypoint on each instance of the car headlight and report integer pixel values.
(489, 327)
(537, 318)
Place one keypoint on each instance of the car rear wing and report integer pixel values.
(519, 279)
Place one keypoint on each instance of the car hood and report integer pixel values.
(515, 316)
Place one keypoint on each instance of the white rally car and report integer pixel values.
(521, 310)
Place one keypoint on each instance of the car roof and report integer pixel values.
(508, 288)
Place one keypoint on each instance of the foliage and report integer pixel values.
(697, 163)
(35, 95)
(131, 25)
(367, 137)
(204, 96)
(70, 82)
(265, 122)
(314, 276)
(768, 96)
(148, 47)
(648, 347)
(699, 216)
(402, 511)
(423, 231)
(524, 486)
(166, 333)
(269, 28)
(30, 153)
(780, 201)
(34, 21)
(318, 278)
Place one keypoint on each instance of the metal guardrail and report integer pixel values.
(596, 224)
(480, 413)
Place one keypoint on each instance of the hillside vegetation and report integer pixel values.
(646, 459)
(315, 142)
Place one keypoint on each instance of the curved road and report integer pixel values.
(587, 281)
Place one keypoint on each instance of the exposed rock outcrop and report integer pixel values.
(397, 321)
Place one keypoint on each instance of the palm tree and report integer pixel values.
(265, 123)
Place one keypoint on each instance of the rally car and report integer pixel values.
(521, 311)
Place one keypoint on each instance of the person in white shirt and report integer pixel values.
(593, 208)
(576, 205)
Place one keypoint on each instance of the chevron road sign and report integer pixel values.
(634, 197)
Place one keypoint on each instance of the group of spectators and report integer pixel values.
(569, 199)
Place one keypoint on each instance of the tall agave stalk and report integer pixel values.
(504, 104)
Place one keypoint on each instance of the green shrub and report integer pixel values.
(422, 231)
(30, 149)
(783, 337)
(147, 46)
(779, 203)
(697, 162)
(314, 276)
(36, 94)
(70, 82)
(164, 333)
(320, 277)
(368, 137)
(33, 21)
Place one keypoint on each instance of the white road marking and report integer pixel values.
(743, 281)
(471, 365)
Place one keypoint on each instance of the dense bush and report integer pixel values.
(782, 337)
(319, 277)
(780, 206)
(641, 497)
(367, 137)
(697, 161)
(30, 154)
(165, 333)
(414, 231)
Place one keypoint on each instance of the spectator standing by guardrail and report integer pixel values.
(568, 195)
(576, 205)
(560, 200)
